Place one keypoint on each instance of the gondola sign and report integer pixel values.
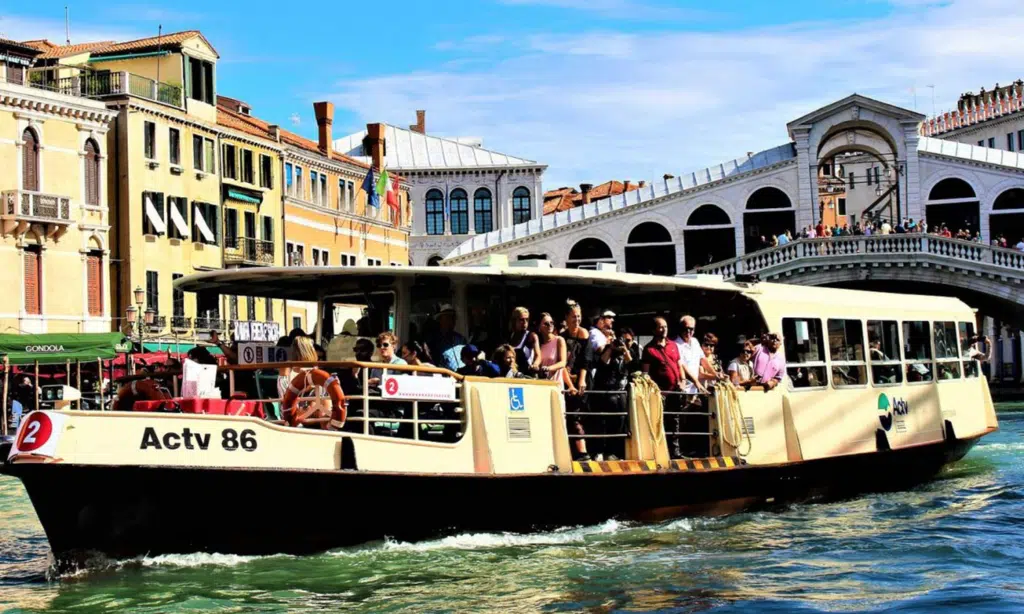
(418, 388)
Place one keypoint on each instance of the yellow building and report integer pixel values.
(327, 220)
(54, 247)
(251, 196)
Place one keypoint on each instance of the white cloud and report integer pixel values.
(295, 119)
(602, 105)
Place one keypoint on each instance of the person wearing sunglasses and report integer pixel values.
(387, 343)
(741, 373)
(524, 342)
(690, 352)
(710, 365)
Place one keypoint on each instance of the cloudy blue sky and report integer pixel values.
(597, 89)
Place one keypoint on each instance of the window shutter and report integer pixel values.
(94, 279)
(30, 161)
(32, 302)
(92, 173)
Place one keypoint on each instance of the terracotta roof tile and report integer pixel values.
(173, 39)
(564, 199)
(27, 48)
(51, 51)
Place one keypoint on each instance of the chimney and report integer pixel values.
(373, 144)
(643, 183)
(585, 189)
(275, 132)
(324, 119)
(668, 176)
(625, 185)
(421, 122)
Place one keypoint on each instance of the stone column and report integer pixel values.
(807, 174)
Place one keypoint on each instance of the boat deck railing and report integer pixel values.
(686, 399)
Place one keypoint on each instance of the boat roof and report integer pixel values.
(311, 282)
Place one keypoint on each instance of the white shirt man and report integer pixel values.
(602, 331)
(690, 352)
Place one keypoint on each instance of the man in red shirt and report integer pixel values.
(661, 361)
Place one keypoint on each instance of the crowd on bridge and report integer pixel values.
(884, 227)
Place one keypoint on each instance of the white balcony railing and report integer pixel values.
(22, 208)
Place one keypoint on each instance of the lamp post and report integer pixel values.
(132, 316)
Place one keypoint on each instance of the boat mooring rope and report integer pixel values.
(731, 422)
(643, 388)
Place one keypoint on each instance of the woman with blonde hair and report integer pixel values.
(524, 342)
(302, 349)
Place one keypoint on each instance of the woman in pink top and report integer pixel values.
(552, 350)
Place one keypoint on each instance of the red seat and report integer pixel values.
(219, 407)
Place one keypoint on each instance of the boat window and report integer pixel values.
(805, 352)
(884, 352)
(348, 317)
(917, 351)
(947, 351)
(971, 368)
(846, 349)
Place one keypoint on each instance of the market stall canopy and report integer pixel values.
(56, 348)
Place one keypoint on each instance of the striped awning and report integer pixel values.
(244, 197)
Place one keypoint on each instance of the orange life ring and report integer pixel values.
(138, 390)
(304, 381)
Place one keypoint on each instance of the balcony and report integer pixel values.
(248, 252)
(159, 323)
(181, 323)
(22, 208)
(209, 323)
(104, 84)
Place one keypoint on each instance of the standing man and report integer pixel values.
(690, 351)
(769, 362)
(662, 363)
(603, 331)
(446, 346)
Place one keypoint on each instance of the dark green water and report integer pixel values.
(955, 543)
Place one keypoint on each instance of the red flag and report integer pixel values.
(392, 200)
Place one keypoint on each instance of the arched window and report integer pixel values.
(483, 214)
(708, 215)
(92, 173)
(1007, 219)
(29, 161)
(435, 212)
(1010, 199)
(769, 213)
(650, 250)
(521, 210)
(460, 212)
(951, 187)
(434, 261)
(587, 253)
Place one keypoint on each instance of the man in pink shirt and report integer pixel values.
(769, 361)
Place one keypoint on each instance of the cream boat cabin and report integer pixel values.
(879, 393)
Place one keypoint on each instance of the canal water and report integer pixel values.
(954, 543)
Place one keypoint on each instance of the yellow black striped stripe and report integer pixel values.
(707, 464)
(627, 466)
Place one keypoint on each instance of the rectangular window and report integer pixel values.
(947, 351)
(805, 352)
(971, 368)
(266, 172)
(230, 227)
(917, 351)
(174, 145)
(149, 140)
(296, 255)
(268, 228)
(208, 309)
(312, 187)
(341, 195)
(1009, 142)
(233, 308)
(154, 218)
(981, 143)
(33, 279)
(250, 311)
(197, 152)
(846, 349)
(94, 282)
(247, 167)
(152, 291)
(179, 297)
(288, 179)
(325, 258)
(323, 190)
(210, 150)
(200, 80)
(208, 230)
(884, 345)
(229, 164)
(177, 217)
(296, 321)
(373, 262)
(877, 172)
(992, 142)
(852, 182)
(842, 206)
(350, 196)
(298, 184)
(268, 310)
(316, 256)
(1020, 140)
(869, 176)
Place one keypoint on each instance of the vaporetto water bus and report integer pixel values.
(880, 393)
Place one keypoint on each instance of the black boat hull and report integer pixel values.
(123, 512)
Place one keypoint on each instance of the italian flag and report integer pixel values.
(387, 186)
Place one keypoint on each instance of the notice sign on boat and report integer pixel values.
(421, 388)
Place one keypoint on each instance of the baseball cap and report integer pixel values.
(608, 313)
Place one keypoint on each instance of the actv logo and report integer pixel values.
(889, 408)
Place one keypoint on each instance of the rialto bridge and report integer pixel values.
(713, 219)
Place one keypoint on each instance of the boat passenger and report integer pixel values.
(580, 354)
(741, 372)
(611, 376)
(386, 343)
(974, 353)
(690, 353)
(413, 354)
(661, 361)
(301, 350)
(710, 365)
(473, 364)
(505, 357)
(552, 351)
(629, 339)
(768, 362)
(524, 342)
(602, 331)
(446, 344)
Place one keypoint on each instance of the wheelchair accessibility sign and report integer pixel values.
(515, 399)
